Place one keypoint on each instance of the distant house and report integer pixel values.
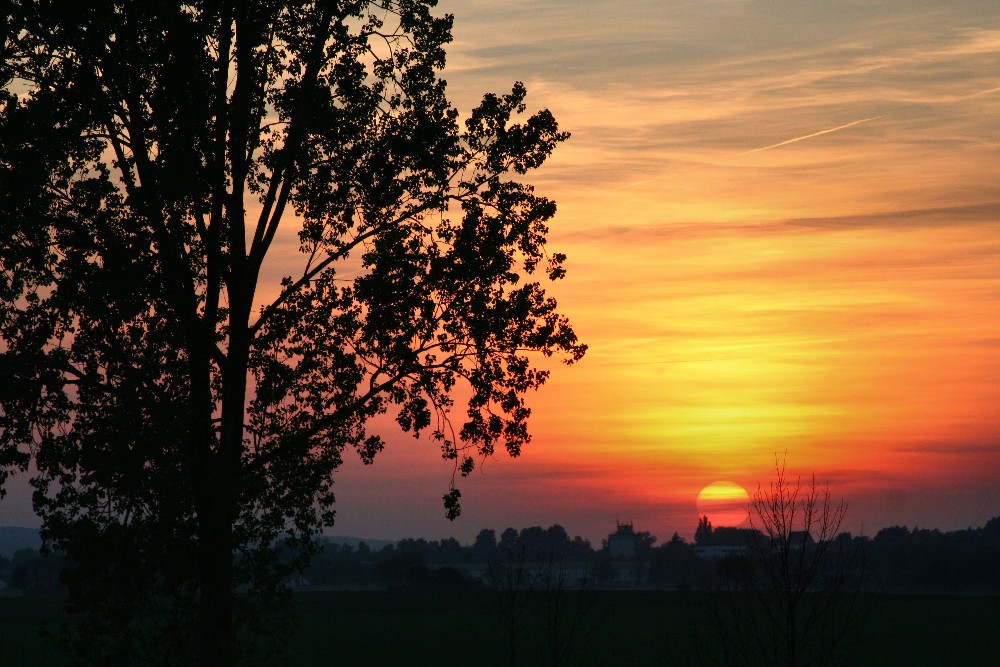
(623, 543)
(799, 539)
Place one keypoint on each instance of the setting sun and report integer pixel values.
(724, 503)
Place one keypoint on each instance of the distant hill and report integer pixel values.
(14, 539)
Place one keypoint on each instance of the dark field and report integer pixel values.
(615, 628)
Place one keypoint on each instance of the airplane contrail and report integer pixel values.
(810, 136)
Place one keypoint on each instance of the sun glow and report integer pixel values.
(724, 503)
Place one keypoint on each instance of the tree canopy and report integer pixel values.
(152, 155)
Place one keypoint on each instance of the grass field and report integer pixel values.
(616, 628)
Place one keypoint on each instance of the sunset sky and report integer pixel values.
(782, 219)
(783, 225)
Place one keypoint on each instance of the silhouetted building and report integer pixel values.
(799, 539)
(623, 543)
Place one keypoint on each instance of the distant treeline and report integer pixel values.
(897, 559)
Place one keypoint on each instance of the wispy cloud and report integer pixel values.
(811, 135)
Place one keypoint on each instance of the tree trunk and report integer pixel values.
(215, 472)
(219, 498)
(216, 582)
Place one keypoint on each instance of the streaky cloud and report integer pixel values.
(978, 214)
(983, 214)
(814, 134)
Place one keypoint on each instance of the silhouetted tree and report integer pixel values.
(449, 551)
(484, 549)
(508, 541)
(182, 411)
(644, 541)
(930, 560)
(675, 563)
(703, 533)
(793, 595)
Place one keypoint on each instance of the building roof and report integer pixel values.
(800, 537)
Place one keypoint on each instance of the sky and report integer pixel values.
(782, 219)
(783, 228)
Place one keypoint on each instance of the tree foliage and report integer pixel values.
(184, 413)
(703, 533)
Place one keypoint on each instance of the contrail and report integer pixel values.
(810, 136)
